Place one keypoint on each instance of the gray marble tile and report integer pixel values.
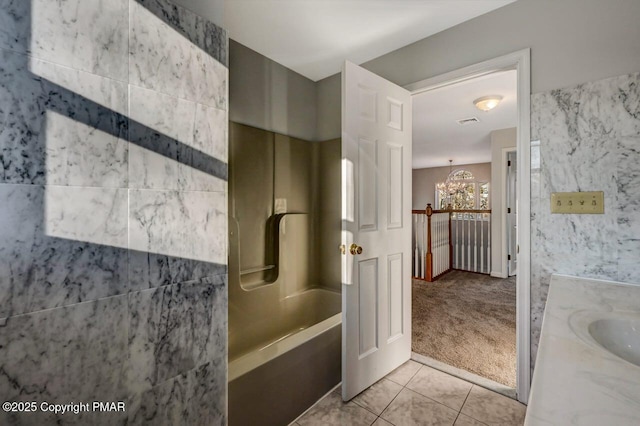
(196, 397)
(176, 144)
(440, 387)
(149, 270)
(332, 411)
(205, 34)
(463, 420)
(378, 396)
(163, 60)
(628, 170)
(603, 108)
(492, 408)
(89, 35)
(404, 373)
(71, 354)
(411, 408)
(174, 329)
(39, 270)
(189, 225)
(381, 422)
(94, 215)
(65, 131)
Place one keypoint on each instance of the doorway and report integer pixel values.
(517, 240)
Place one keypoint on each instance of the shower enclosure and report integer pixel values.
(284, 294)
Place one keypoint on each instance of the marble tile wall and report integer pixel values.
(113, 210)
(589, 140)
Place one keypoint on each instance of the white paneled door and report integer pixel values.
(376, 228)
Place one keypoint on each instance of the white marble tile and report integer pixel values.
(71, 354)
(173, 329)
(196, 397)
(94, 215)
(89, 35)
(190, 225)
(440, 387)
(162, 113)
(67, 132)
(40, 271)
(211, 132)
(176, 144)
(201, 32)
(164, 60)
(411, 408)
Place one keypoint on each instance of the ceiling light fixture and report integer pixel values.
(487, 103)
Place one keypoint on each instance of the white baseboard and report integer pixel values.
(498, 274)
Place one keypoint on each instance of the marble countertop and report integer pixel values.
(576, 381)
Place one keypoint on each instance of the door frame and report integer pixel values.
(504, 233)
(521, 62)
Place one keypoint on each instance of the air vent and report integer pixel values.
(465, 121)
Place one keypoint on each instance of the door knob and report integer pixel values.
(355, 249)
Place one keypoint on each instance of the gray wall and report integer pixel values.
(269, 96)
(113, 211)
(571, 41)
(424, 182)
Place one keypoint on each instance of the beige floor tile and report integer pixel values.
(410, 408)
(441, 387)
(378, 396)
(381, 422)
(332, 411)
(492, 408)
(404, 373)
(463, 420)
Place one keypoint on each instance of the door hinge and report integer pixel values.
(508, 209)
(509, 163)
(508, 257)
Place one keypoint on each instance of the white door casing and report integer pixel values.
(512, 211)
(376, 216)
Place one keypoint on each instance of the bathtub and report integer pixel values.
(280, 365)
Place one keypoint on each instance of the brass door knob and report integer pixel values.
(355, 249)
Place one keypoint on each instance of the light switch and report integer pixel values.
(577, 202)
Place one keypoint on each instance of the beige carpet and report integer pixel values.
(468, 321)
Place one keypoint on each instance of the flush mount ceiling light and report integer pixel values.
(487, 103)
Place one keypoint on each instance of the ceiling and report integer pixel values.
(314, 37)
(437, 137)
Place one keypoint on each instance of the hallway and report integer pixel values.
(468, 321)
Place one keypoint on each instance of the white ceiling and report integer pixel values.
(314, 37)
(437, 137)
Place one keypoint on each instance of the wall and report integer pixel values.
(113, 217)
(571, 41)
(425, 180)
(500, 139)
(266, 95)
(589, 140)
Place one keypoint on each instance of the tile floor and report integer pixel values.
(415, 394)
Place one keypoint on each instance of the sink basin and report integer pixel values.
(620, 336)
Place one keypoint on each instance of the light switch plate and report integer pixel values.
(577, 202)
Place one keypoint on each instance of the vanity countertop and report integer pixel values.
(576, 381)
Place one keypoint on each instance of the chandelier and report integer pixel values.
(451, 186)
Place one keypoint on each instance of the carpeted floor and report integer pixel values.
(468, 321)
